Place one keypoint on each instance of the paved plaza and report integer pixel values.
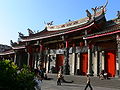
(79, 83)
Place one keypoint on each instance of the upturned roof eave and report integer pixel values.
(18, 47)
(102, 34)
(108, 30)
(7, 53)
(85, 22)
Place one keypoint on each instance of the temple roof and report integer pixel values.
(49, 34)
(111, 27)
(69, 27)
(4, 47)
(80, 22)
(19, 47)
(9, 52)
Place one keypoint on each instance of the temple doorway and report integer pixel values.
(110, 63)
(83, 63)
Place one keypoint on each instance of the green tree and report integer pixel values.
(12, 79)
(25, 79)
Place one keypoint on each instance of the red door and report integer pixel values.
(110, 63)
(59, 61)
(83, 63)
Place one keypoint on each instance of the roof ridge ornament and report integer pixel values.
(99, 12)
(106, 4)
(118, 14)
(30, 32)
(50, 23)
(88, 14)
(20, 34)
(69, 20)
(97, 9)
(12, 43)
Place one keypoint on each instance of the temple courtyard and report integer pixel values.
(80, 82)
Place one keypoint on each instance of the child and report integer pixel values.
(59, 77)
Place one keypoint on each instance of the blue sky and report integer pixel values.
(19, 15)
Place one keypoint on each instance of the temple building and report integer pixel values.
(88, 45)
(4, 51)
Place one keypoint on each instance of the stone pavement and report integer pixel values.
(79, 83)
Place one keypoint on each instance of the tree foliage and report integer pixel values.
(13, 79)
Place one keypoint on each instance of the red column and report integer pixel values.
(67, 44)
(41, 59)
(30, 57)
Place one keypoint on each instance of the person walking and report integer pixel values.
(41, 71)
(88, 83)
(37, 80)
(59, 78)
